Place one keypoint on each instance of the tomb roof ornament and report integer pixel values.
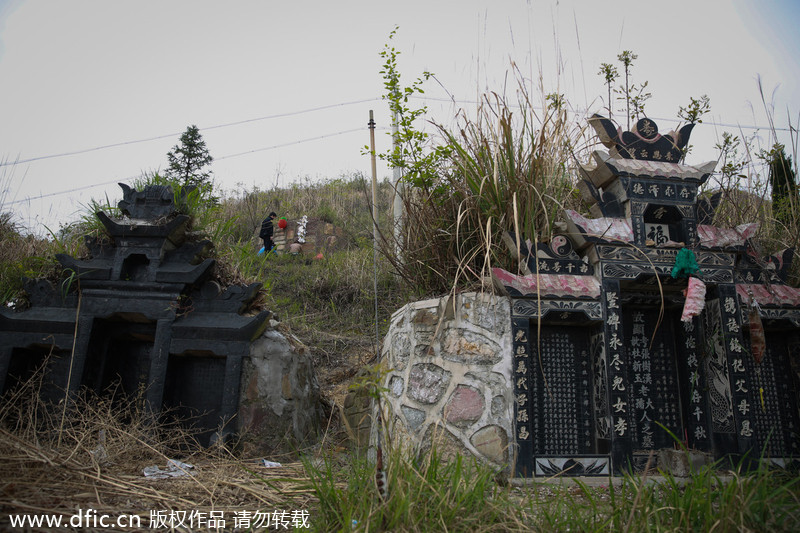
(153, 202)
(644, 142)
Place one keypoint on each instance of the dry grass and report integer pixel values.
(92, 455)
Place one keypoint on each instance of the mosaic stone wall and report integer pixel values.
(449, 376)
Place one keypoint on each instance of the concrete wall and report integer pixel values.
(279, 397)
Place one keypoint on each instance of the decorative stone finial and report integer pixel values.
(644, 142)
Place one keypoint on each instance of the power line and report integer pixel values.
(289, 143)
(584, 111)
(237, 123)
(76, 189)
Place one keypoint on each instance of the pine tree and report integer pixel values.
(188, 160)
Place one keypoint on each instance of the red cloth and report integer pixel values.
(695, 299)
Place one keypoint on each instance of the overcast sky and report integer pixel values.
(281, 91)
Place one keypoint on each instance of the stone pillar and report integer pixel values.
(158, 364)
(619, 384)
(83, 337)
(697, 414)
(524, 357)
(743, 392)
(637, 209)
(230, 391)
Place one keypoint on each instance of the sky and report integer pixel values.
(94, 92)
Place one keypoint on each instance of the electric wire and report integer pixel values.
(76, 189)
(282, 145)
(582, 112)
(158, 137)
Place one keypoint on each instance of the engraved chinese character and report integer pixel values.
(647, 441)
(619, 406)
(732, 325)
(730, 305)
(660, 212)
(657, 234)
(621, 426)
(740, 386)
(557, 267)
(523, 433)
(691, 343)
(584, 268)
(638, 317)
(657, 155)
(698, 412)
(613, 320)
(735, 345)
(699, 433)
(522, 399)
(614, 342)
(617, 384)
(611, 300)
(694, 377)
(520, 336)
(696, 396)
(522, 416)
(743, 407)
(521, 368)
(638, 189)
(737, 365)
(746, 431)
(668, 191)
(543, 266)
(522, 383)
(685, 192)
(688, 327)
(522, 351)
(653, 189)
(616, 362)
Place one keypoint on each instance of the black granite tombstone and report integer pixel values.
(606, 370)
(142, 310)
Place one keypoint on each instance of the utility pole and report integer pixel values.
(374, 223)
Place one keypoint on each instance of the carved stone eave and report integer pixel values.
(604, 168)
(220, 326)
(135, 228)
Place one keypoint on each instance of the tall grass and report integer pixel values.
(509, 168)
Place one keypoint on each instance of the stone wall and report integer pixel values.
(449, 376)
